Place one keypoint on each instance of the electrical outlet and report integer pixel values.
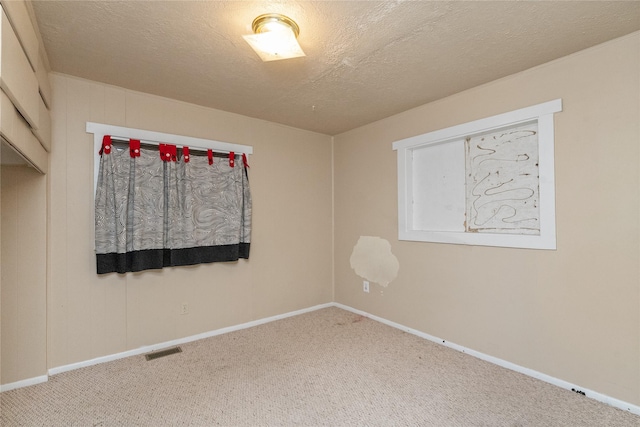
(365, 286)
(185, 308)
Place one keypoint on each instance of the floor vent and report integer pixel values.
(163, 353)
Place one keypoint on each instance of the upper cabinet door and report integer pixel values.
(17, 77)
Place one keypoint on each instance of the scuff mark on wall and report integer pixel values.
(372, 260)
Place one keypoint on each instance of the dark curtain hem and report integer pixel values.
(152, 259)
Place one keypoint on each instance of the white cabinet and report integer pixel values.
(17, 132)
(17, 78)
(25, 92)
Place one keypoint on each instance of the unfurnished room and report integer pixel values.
(261, 213)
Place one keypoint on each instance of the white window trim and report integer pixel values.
(543, 114)
(99, 130)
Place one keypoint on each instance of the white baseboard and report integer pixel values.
(24, 383)
(154, 347)
(634, 409)
(616, 403)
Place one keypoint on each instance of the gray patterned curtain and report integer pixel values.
(154, 208)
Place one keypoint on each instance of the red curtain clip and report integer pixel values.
(168, 152)
(232, 159)
(164, 155)
(134, 147)
(106, 145)
(244, 160)
(185, 154)
(210, 155)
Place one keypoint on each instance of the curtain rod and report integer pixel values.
(154, 144)
(118, 132)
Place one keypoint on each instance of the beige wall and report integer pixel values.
(290, 175)
(572, 313)
(23, 195)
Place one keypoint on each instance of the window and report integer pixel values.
(160, 204)
(488, 182)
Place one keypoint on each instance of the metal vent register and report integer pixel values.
(163, 353)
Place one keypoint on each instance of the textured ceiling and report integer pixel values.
(366, 60)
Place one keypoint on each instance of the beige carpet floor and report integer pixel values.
(328, 367)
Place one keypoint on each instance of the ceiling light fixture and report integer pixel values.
(275, 37)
